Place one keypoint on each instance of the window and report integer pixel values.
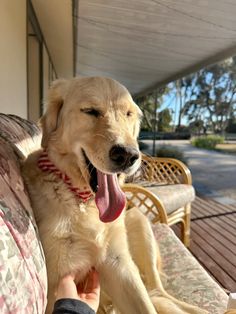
(41, 71)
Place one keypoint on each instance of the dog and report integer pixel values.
(89, 142)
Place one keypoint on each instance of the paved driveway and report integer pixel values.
(214, 173)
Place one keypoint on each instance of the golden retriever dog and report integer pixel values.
(90, 131)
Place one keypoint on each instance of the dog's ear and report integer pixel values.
(56, 97)
(138, 122)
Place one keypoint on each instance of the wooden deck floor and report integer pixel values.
(213, 240)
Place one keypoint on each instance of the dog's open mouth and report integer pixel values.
(110, 199)
(93, 181)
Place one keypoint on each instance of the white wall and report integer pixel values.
(13, 69)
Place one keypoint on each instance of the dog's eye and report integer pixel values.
(92, 112)
(129, 113)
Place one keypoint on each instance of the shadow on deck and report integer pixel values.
(213, 240)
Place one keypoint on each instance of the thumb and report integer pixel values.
(66, 288)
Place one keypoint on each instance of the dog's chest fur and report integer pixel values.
(69, 228)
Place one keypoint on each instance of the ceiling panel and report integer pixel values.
(147, 43)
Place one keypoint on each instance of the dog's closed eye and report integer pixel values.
(92, 112)
(129, 113)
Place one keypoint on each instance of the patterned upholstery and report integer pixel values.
(23, 136)
(23, 272)
(183, 276)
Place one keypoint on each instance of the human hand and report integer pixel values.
(88, 291)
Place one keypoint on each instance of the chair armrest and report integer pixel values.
(164, 170)
(146, 201)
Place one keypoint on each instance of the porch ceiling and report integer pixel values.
(147, 43)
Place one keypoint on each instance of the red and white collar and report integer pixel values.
(46, 165)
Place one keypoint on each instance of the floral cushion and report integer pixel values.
(23, 276)
(184, 277)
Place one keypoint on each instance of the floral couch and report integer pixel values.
(23, 278)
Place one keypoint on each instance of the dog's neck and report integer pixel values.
(82, 192)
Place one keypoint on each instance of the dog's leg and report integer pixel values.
(121, 280)
(146, 255)
(143, 248)
(120, 277)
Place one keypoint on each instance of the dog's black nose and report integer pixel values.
(124, 156)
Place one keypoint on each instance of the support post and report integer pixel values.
(154, 125)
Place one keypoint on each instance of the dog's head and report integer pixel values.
(96, 120)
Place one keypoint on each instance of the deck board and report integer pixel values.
(222, 278)
(223, 236)
(213, 240)
(221, 252)
(202, 208)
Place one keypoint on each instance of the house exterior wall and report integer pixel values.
(13, 57)
(36, 46)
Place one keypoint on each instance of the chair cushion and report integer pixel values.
(184, 277)
(173, 196)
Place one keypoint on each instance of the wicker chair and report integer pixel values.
(163, 190)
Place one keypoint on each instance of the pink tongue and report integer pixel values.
(110, 200)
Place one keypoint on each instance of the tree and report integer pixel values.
(211, 95)
(197, 127)
(185, 89)
(206, 98)
(164, 120)
(149, 105)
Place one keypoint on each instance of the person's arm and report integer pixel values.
(81, 299)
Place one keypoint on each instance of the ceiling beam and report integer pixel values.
(224, 54)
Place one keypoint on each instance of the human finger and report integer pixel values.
(66, 288)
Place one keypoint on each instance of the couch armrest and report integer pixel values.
(146, 201)
(164, 171)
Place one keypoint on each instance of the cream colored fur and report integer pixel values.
(74, 239)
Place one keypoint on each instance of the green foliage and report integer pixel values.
(182, 129)
(208, 142)
(149, 105)
(171, 152)
(164, 120)
(196, 127)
